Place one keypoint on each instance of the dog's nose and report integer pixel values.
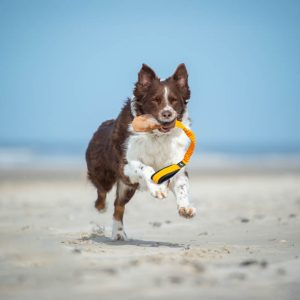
(166, 114)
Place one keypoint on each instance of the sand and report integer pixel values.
(243, 244)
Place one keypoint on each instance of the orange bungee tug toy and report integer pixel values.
(146, 123)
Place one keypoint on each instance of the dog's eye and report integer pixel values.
(172, 99)
(156, 100)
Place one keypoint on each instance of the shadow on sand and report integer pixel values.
(140, 243)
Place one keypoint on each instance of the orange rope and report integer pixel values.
(192, 138)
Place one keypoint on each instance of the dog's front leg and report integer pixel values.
(141, 174)
(180, 188)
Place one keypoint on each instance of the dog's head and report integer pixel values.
(165, 100)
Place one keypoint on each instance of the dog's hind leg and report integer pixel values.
(100, 203)
(103, 180)
(123, 196)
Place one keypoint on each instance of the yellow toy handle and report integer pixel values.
(169, 171)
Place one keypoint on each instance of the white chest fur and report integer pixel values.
(157, 149)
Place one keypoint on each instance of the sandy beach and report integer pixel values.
(243, 244)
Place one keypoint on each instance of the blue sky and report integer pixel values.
(66, 66)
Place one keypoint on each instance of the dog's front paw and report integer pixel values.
(187, 212)
(159, 191)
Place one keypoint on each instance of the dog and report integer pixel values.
(116, 155)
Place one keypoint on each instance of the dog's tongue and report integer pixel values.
(164, 129)
(167, 127)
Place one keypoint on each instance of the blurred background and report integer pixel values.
(66, 66)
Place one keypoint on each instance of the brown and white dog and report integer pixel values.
(118, 155)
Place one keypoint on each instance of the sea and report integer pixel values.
(71, 155)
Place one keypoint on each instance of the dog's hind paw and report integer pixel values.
(118, 233)
(119, 236)
(100, 205)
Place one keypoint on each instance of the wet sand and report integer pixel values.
(243, 244)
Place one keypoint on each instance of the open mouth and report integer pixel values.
(166, 126)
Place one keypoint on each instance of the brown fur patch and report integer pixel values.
(119, 211)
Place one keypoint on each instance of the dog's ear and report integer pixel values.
(145, 78)
(146, 75)
(180, 77)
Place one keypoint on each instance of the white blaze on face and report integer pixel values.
(166, 95)
(167, 106)
(166, 99)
